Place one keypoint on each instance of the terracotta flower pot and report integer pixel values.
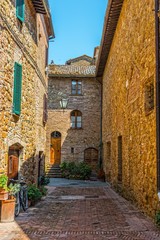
(7, 210)
(3, 194)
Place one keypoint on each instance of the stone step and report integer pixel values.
(53, 171)
(51, 175)
(56, 169)
(53, 165)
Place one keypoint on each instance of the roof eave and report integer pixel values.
(110, 24)
(70, 76)
(50, 28)
(42, 7)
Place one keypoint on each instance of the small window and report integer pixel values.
(56, 134)
(20, 10)
(76, 87)
(17, 88)
(72, 150)
(149, 97)
(76, 119)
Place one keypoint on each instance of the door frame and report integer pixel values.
(55, 135)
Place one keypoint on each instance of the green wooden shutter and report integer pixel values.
(20, 7)
(17, 88)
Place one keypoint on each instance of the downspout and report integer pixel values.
(157, 95)
(101, 142)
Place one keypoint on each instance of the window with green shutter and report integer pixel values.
(20, 7)
(17, 88)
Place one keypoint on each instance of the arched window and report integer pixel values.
(76, 119)
(56, 134)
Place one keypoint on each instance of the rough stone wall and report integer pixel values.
(59, 120)
(42, 42)
(130, 65)
(18, 42)
(41, 89)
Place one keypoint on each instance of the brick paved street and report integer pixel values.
(83, 212)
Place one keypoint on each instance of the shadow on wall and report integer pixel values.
(30, 169)
(76, 147)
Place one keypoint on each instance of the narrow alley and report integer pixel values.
(82, 210)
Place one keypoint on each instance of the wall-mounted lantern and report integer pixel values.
(63, 103)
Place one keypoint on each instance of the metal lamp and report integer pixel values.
(63, 103)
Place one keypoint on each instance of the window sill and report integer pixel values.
(76, 95)
(76, 128)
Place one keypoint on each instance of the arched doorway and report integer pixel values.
(55, 148)
(13, 160)
(91, 157)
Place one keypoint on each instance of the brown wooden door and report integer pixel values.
(13, 161)
(55, 154)
(91, 157)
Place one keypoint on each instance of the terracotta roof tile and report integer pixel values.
(72, 70)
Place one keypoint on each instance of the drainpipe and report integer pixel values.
(101, 143)
(157, 95)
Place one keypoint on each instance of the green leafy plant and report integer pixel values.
(34, 193)
(43, 190)
(3, 181)
(44, 180)
(13, 189)
(157, 218)
(84, 170)
(63, 165)
(74, 170)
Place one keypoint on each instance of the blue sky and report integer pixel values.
(78, 28)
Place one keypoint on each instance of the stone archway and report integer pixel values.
(14, 153)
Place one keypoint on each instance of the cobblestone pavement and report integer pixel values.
(79, 212)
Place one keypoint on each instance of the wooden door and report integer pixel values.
(55, 154)
(91, 157)
(13, 161)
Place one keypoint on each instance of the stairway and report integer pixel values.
(53, 171)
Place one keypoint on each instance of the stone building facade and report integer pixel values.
(25, 28)
(78, 125)
(127, 66)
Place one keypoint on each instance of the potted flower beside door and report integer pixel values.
(7, 206)
(3, 187)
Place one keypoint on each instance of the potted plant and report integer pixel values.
(3, 187)
(7, 207)
(13, 189)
